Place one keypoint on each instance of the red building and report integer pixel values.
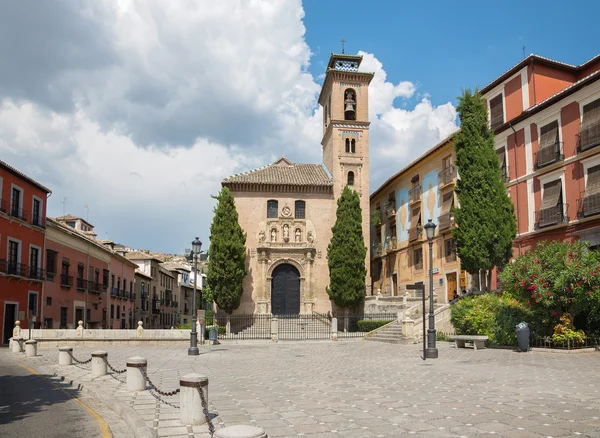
(546, 117)
(22, 245)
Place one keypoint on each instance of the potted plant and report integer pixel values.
(376, 217)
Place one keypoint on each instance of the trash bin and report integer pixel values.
(523, 336)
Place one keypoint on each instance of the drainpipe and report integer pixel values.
(517, 185)
(43, 267)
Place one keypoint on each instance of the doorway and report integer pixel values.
(285, 290)
(451, 285)
(10, 316)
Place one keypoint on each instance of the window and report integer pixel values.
(551, 211)
(591, 199)
(63, 317)
(449, 250)
(414, 194)
(112, 311)
(64, 269)
(80, 269)
(16, 202)
(118, 284)
(444, 221)
(350, 178)
(272, 209)
(36, 212)
(447, 162)
(418, 258)
(48, 301)
(34, 262)
(502, 160)
(105, 277)
(13, 254)
(50, 264)
(131, 286)
(112, 281)
(88, 315)
(300, 210)
(549, 148)
(415, 230)
(496, 111)
(33, 304)
(350, 146)
(350, 104)
(589, 136)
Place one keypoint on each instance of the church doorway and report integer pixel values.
(285, 290)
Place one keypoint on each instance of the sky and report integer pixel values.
(138, 110)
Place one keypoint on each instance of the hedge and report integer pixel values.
(367, 325)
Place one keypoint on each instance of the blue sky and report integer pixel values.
(445, 46)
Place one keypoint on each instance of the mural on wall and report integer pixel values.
(402, 214)
(430, 196)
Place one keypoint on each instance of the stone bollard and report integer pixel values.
(31, 348)
(99, 367)
(192, 412)
(334, 329)
(241, 431)
(65, 355)
(136, 373)
(274, 330)
(17, 344)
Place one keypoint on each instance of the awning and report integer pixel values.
(447, 202)
(415, 217)
(552, 192)
(549, 135)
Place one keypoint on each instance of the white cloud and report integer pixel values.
(144, 122)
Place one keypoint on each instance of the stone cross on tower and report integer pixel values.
(343, 41)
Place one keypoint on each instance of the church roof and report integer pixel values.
(284, 172)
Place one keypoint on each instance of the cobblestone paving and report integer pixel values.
(364, 389)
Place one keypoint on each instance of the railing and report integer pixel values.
(414, 194)
(94, 287)
(551, 216)
(418, 265)
(244, 326)
(588, 205)
(2, 205)
(589, 137)
(18, 269)
(131, 296)
(447, 175)
(568, 344)
(81, 283)
(347, 325)
(66, 280)
(19, 213)
(445, 221)
(36, 273)
(377, 249)
(299, 327)
(415, 233)
(389, 209)
(38, 221)
(114, 292)
(548, 155)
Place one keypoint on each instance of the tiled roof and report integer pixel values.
(137, 255)
(142, 274)
(25, 177)
(284, 172)
(70, 217)
(173, 266)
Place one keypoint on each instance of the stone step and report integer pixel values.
(388, 340)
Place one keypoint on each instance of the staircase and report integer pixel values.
(392, 334)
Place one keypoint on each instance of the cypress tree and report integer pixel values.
(486, 225)
(227, 262)
(346, 253)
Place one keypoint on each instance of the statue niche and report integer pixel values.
(273, 234)
(286, 233)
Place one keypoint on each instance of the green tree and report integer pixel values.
(486, 225)
(346, 253)
(227, 262)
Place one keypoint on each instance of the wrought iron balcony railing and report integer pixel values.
(414, 194)
(551, 216)
(445, 221)
(588, 137)
(18, 269)
(36, 273)
(38, 221)
(415, 233)
(66, 280)
(588, 206)
(18, 213)
(94, 287)
(81, 283)
(447, 176)
(2, 205)
(548, 155)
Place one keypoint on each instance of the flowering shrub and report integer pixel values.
(565, 331)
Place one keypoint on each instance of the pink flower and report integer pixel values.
(590, 292)
(549, 294)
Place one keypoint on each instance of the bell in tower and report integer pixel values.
(350, 105)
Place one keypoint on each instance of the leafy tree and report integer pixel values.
(486, 225)
(227, 262)
(346, 253)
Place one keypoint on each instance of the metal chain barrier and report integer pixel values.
(211, 427)
(155, 388)
(79, 361)
(113, 369)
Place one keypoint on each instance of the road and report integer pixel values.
(33, 405)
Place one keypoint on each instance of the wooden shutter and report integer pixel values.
(415, 217)
(447, 201)
(549, 135)
(593, 181)
(552, 192)
(590, 124)
(496, 111)
(501, 156)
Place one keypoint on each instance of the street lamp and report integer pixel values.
(193, 350)
(431, 352)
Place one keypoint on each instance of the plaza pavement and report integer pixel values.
(362, 389)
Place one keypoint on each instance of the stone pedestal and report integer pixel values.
(17, 344)
(274, 330)
(136, 373)
(99, 367)
(334, 329)
(64, 355)
(192, 412)
(241, 432)
(31, 348)
(140, 329)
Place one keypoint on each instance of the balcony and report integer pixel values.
(18, 213)
(155, 306)
(81, 283)
(588, 206)
(16, 269)
(414, 194)
(66, 280)
(548, 155)
(36, 273)
(450, 257)
(447, 176)
(445, 222)
(551, 216)
(377, 250)
(94, 287)
(392, 243)
(415, 233)
(389, 209)
(589, 137)
(131, 296)
(2, 205)
(38, 221)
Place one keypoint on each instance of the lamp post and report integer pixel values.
(193, 350)
(431, 352)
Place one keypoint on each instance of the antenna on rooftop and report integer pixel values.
(64, 203)
(343, 41)
(523, 52)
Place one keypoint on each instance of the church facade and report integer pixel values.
(288, 209)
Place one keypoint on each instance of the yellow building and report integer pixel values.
(422, 191)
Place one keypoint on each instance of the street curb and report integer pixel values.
(133, 420)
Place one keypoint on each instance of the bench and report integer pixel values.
(478, 341)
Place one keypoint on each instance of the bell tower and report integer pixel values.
(345, 101)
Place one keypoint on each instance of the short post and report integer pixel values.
(99, 367)
(17, 344)
(17, 329)
(192, 410)
(241, 431)
(65, 355)
(140, 329)
(274, 330)
(31, 348)
(136, 373)
(79, 330)
(334, 329)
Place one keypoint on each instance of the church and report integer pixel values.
(287, 209)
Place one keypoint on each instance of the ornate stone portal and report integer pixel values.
(290, 243)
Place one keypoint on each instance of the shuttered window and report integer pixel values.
(552, 194)
(496, 111)
(590, 126)
(591, 201)
(447, 202)
(549, 149)
(501, 157)
(415, 219)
